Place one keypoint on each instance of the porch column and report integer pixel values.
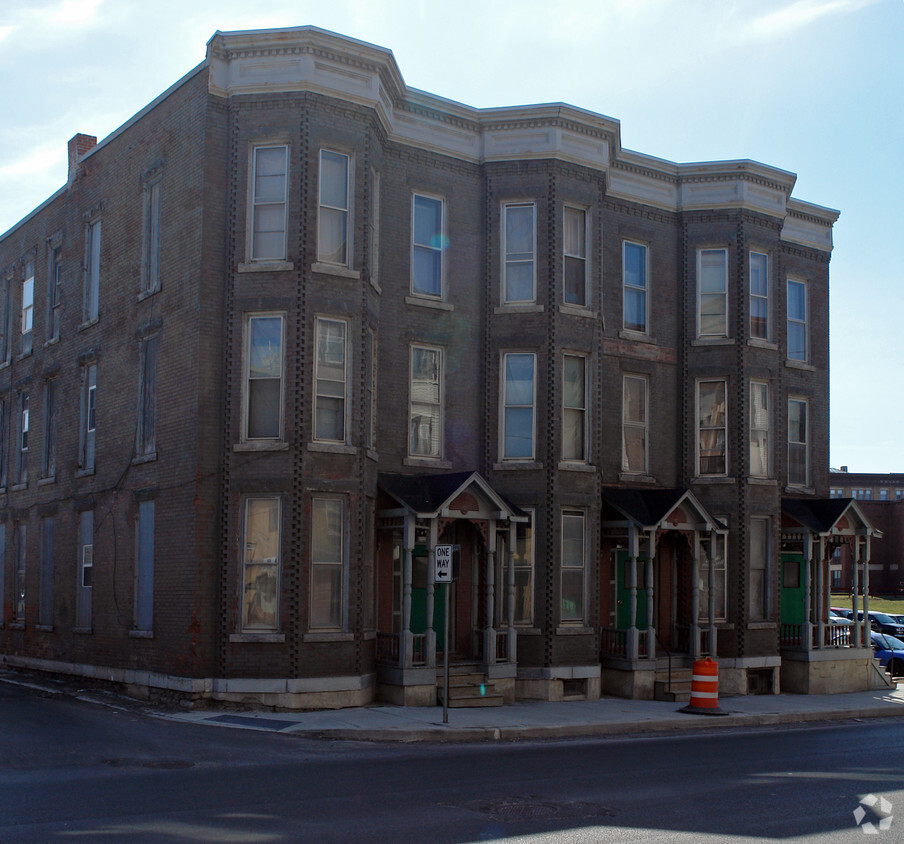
(489, 634)
(430, 634)
(633, 645)
(856, 639)
(406, 651)
(820, 594)
(651, 632)
(696, 651)
(806, 633)
(511, 647)
(867, 639)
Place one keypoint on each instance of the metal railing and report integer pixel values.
(613, 642)
(790, 635)
(388, 647)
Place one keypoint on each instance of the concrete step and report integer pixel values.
(467, 688)
(678, 690)
(474, 701)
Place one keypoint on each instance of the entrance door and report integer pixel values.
(623, 591)
(793, 599)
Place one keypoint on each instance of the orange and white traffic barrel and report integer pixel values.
(705, 689)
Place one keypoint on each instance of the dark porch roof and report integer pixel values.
(821, 515)
(427, 495)
(649, 507)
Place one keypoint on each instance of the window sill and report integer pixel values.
(372, 455)
(713, 341)
(423, 302)
(335, 269)
(636, 478)
(707, 479)
(146, 294)
(47, 481)
(263, 638)
(88, 323)
(85, 473)
(329, 637)
(82, 631)
(18, 487)
(144, 458)
(762, 344)
(577, 630)
(332, 448)
(526, 308)
(23, 355)
(761, 625)
(263, 445)
(799, 364)
(800, 490)
(434, 462)
(568, 466)
(4, 364)
(762, 481)
(265, 267)
(141, 634)
(51, 342)
(528, 631)
(577, 311)
(17, 625)
(369, 635)
(637, 337)
(525, 464)
(44, 628)
(376, 286)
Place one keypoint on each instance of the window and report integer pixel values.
(28, 306)
(759, 429)
(712, 274)
(45, 602)
(519, 252)
(899, 494)
(427, 246)
(260, 564)
(48, 454)
(634, 425)
(573, 549)
(798, 468)
(759, 568)
(329, 403)
(144, 567)
(21, 557)
(712, 427)
(714, 548)
(150, 268)
(518, 405)
(426, 413)
(328, 564)
(332, 231)
(575, 257)
(268, 203)
(883, 495)
(861, 494)
(5, 310)
(146, 437)
(797, 320)
(523, 559)
(92, 271)
(574, 408)
(834, 492)
(54, 292)
(84, 587)
(264, 377)
(88, 414)
(23, 438)
(759, 295)
(634, 278)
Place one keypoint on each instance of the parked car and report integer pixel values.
(840, 629)
(841, 611)
(884, 623)
(889, 650)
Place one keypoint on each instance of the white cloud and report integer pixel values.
(72, 13)
(40, 160)
(790, 19)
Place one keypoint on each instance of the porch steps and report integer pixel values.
(465, 684)
(680, 687)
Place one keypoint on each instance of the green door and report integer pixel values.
(793, 597)
(623, 591)
(419, 570)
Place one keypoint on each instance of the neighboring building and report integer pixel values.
(295, 324)
(881, 498)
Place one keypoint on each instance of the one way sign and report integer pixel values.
(443, 557)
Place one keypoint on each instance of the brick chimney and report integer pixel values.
(78, 146)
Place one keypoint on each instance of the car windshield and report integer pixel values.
(881, 616)
(893, 643)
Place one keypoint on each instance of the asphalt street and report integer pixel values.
(78, 771)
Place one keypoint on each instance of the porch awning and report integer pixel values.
(430, 496)
(655, 509)
(838, 516)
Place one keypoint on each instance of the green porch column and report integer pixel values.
(489, 634)
(430, 633)
(406, 651)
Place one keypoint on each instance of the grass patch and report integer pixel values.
(878, 603)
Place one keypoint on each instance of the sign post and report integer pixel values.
(443, 563)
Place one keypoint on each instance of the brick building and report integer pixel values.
(296, 324)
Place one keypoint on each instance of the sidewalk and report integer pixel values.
(541, 719)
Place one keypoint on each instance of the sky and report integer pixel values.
(815, 87)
